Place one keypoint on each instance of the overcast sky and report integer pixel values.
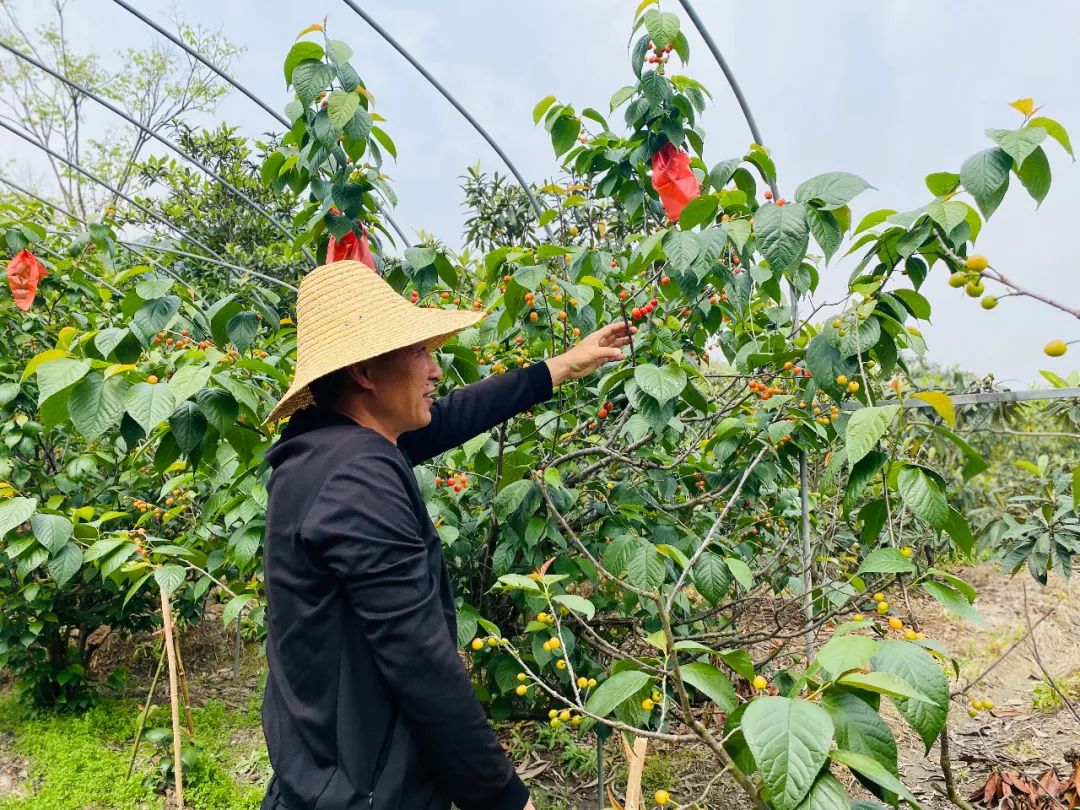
(891, 90)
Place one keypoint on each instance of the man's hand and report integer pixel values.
(529, 806)
(602, 346)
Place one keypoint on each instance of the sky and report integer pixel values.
(891, 90)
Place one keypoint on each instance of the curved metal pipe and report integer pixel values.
(160, 138)
(138, 206)
(397, 46)
(194, 54)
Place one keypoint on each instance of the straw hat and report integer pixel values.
(346, 313)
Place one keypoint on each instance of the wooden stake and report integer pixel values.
(635, 759)
(184, 689)
(170, 647)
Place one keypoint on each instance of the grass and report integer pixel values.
(80, 761)
(1046, 699)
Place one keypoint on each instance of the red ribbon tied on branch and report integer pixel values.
(350, 248)
(24, 272)
(673, 180)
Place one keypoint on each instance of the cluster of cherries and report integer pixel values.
(605, 409)
(658, 57)
(779, 200)
(183, 342)
(638, 313)
(455, 481)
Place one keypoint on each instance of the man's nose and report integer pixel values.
(436, 372)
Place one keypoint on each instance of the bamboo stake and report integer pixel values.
(146, 710)
(178, 767)
(635, 758)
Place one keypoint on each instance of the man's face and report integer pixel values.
(403, 381)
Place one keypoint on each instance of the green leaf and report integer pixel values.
(188, 426)
(923, 496)
(645, 566)
(826, 231)
(52, 531)
(916, 665)
(578, 604)
(662, 26)
(518, 582)
(711, 577)
(1034, 173)
(187, 380)
(826, 794)
(720, 174)
(152, 317)
(662, 383)
(790, 741)
(886, 561)
(860, 729)
(832, 189)
(873, 219)
(865, 429)
(65, 564)
(339, 51)
(235, 607)
(947, 214)
(958, 529)
(15, 511)
(955, 601)
(170, 577)
(564, 133)
(56, 375)
(297, 54)
(219, 407)
(511, 497)
(986, 177)
(782, 234)
(149, 404)
(152, 287)
(875, 772)
(1018, 143)
(942, 183)
(682, 248)
(615, 690)
(341, 107)
(96, 404)
(542, 107)
(242, 329)
(914, 302)
(884, 683)
(699, 211)
(1076, 488)
(741, 572)
(843, 653)
(712, 683)
(310, 78)
(1055, 131)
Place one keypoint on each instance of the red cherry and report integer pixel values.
(768, 195)
(608, 406)
(665, 281)
(654, 303)
(602, 414)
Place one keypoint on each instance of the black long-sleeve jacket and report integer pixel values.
(367, 703)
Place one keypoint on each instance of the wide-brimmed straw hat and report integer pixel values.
(346, 313)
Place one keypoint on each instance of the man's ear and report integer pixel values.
(360, 374)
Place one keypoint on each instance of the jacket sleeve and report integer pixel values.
(472, 409)
(363, 525)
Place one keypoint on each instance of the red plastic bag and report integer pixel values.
(350, 248)
(24, 272)
(673, 180)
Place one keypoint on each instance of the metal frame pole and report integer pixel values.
(397, 46)
(194, 54)
(140, 207)
(153, 134)
(806, 548)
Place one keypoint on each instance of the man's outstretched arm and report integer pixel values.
(472, 409)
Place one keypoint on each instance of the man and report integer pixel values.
(368, 704)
